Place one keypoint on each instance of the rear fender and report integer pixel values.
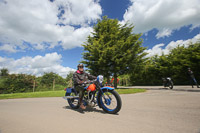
(69, 91)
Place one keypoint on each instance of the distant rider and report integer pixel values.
(80, 77)
(192, 78)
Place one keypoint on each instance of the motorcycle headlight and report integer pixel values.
(100, 79)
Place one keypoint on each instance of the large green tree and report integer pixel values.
(112, 49)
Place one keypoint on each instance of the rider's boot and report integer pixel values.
(82, 106)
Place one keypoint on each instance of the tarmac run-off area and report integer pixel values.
(157, 110)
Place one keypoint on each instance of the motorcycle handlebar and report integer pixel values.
(84, 84)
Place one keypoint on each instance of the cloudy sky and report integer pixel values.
(38, 36)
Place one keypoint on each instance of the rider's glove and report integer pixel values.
(86, 82)
(80, 82)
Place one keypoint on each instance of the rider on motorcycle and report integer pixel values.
(80, 77)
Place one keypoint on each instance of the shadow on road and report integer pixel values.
(88, 109)
(187, 90)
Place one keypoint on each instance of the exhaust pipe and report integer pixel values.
(70, 97)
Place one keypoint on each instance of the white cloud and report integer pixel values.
(8, 48)
(37, 65)
(79, 12)
(164, 15)
(36, 22)
(158, 50)
(164, 32)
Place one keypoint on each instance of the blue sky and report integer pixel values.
(37, 38)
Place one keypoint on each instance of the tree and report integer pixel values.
(18, 83)
(174, 65)
(49, 78)
(69, 79)
(183, 57)
(4, 72)
(112, 49)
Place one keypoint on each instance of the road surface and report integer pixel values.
(155, 111)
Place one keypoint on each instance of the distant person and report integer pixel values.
(192, 78)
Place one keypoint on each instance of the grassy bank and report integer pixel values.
(58, 93)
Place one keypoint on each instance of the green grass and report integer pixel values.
(129, 91)
(58, 93)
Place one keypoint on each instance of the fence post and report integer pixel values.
(33, 85)
(53, 84)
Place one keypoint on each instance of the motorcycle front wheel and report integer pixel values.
(110, 101)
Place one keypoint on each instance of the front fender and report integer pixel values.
(107, 88)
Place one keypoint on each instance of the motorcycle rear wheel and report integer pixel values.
(171, 85)
(73, 103)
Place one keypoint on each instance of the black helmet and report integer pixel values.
(80, 65)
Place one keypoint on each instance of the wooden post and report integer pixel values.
(33, 85)
(53, 84)
(70, 83)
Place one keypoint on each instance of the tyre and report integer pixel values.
(110, 101)
(171, 85)
(73, 103)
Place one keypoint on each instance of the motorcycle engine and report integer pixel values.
(91, 99)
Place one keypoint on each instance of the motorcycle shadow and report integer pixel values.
(88, 109)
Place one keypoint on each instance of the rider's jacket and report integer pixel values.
(191, 74)
(80, 77)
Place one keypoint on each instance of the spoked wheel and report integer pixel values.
(73, 103)
(171, 85)
(110, 101)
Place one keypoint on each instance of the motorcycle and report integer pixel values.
(167, 82)
(96, 95)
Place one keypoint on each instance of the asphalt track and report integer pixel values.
(158, 110)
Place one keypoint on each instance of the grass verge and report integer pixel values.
(130, 91)
(59, 93)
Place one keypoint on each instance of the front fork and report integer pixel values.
(107, 100)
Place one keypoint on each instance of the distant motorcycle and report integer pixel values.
(167, 82)
(96, 94)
